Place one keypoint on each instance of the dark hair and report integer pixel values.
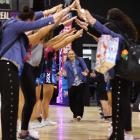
(26, 13)
(68, 53)
(49, 55)
(124, 22)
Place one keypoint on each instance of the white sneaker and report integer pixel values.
(79, 118)
(35, 124)
(47, 122)
(18, 125)
(110, 129)
(128, 136)
(74, 120)
(34, 134)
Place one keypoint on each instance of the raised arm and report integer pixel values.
(56, 38)
(41, 33)
(57, 41)
(68, 21)
(47, 12)
(39, 15)
(53, 10)
(100, 27)
(85, 15)
(68, 40)
(26, 26)
(22, 26)
(36, 37)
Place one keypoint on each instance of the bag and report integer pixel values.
(107, 49)
(129, 67)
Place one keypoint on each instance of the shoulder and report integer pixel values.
(115, 27)
(66, 63)
(112, 26)
(79, 58)
(9, 22)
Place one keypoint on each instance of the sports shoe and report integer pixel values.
(110, 129)
(34, 134)
(18, 125)
(47, 122)
(128, 136)
(34, 124)
(31, 135)
(108, 118)
(74, 120)
(79, 118)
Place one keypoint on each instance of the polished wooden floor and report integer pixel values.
(90, 128)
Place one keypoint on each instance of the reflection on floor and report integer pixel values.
(91, 127)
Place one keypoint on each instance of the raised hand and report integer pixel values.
(82, 24)
(81, 12)
(73, 5)
(66, 17)
(73, 30)
(56, 8)
(68, 21)
(79, 33)
(78, 4)
(90, 18)
(59, 8)
(52, 10)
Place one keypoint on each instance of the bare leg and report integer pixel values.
(106, 107)
(48, 90)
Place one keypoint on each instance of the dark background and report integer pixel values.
(99, 7)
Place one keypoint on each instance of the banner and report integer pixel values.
(63, 86)
(4, 14)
